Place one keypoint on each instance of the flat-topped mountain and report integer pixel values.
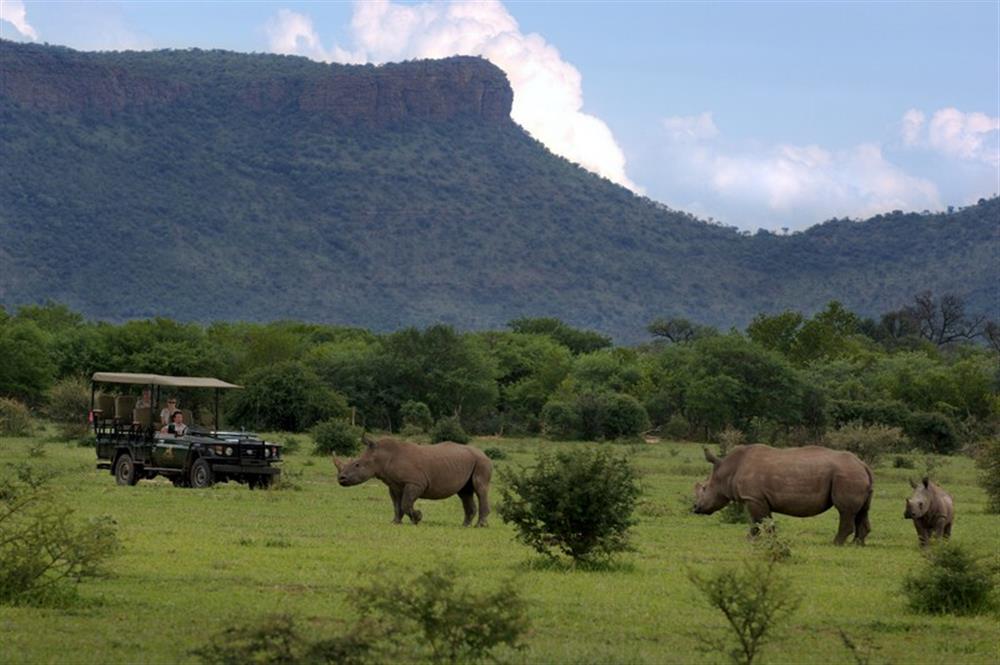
(214, 185)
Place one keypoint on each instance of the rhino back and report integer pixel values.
(443, 468)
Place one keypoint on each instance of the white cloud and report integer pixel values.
(782, 184)
(13, 12)
(548, 92)
(967, 136)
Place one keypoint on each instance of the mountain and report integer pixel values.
(206, 185)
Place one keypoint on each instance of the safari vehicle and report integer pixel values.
(131, 446)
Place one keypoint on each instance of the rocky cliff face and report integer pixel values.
(62, 80)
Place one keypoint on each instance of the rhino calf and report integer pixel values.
(422, 472)
(931, 509)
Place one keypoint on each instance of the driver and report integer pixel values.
(176, 426)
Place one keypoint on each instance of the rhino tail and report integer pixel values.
(861, 518)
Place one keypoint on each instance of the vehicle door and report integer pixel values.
(170, 452)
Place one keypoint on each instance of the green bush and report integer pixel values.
(44, 549)
(15, 418)
(729, 438)
(416, 415)
(594, 416)
(900, 462)
(624, 417)
(952, 581)
(69, 403)
(495, 453)
(677, 428)
(932, 432)
(561, 420)
(449, 428)
(754, 599)
(455, 623)
(988, 461)
(575, 502)
(868, 442)
(769, 544)
(336, 437)
(734, 512)
(286, 396)
(892, 413)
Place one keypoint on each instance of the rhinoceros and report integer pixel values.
(422, 472)
(931, 509)
(801, 482)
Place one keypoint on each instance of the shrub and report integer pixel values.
(754, 600)
(457, 624)
(952, 581)
(495, 453)
(44, 549)
(677, 428)
(290, 444)
(624, 417)
(449, 428)
(285, 396)
(561, 420)
(69, 403)
(988, 461)
(932, 432)
(336, 437)
(734, 512)
(892, 413)
(900, 462)
(593, 416)
(15, 418)
(271, 640)
(416, 415)
(770, 544)
(729, 438)
(577, 502)
(868, 442)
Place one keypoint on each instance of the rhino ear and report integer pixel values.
(368, 441)
(711, 458)
(927, 481)
(913, 484)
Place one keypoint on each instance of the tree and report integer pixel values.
(287, 396)
(26, 370)
(678, 330)
(943, 321)
(577, 341)
(776, 332)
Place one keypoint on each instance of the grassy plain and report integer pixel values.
(196, 561)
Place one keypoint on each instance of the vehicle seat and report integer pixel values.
(188, 417)
(124, 405)
(143, 416)
(106, 405)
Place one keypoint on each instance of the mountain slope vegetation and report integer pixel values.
(207, 185)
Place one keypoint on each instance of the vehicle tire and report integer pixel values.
(125, 472)
(201, 474)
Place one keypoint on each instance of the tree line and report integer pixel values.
(929, 369)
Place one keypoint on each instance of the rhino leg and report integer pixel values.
(758, 511)
(846, 527)
(468, 504)
(923, 535)
(481, 486)
(410, 494)
(947, 530)
(397, 507)
(939, 527)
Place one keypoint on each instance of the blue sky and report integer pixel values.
(755, 114)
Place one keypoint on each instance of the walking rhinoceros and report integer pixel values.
(931, 509)
(801, 482)
(422, 472)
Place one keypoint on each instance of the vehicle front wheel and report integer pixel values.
(201, 474)
(125, 473)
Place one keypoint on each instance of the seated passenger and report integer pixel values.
(176, 426)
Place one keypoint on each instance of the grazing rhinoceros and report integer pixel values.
(422, 472)
(931, 509)
(801, 482)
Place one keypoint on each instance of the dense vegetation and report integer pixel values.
(212, 185)
(862, 384)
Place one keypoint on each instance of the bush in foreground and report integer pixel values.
(952, 581)
(576, 502)
(754, 599)
(336, 437)
(15, 418)
(44, 549)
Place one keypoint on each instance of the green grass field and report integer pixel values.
(195, 562)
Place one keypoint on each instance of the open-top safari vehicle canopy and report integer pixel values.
(131, 446)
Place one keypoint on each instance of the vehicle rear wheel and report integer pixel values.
(201, 474)
(125, 473)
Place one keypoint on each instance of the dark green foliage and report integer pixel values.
(449, 428)
(869, 443)
(495, 453)
(27, 370)
(892, 413)
(754, 600)
(336, 437)
(272, 640)
(416, 415)
(594, 415)
(734, 512)
(988, 461)
(454, 622)
(932, 432)
(44, 549)
(577, 341)
(576, 502)
(15, 418)
(952, 581)
(287, 396)
(900, 462)
(69, 402)
(769, 544)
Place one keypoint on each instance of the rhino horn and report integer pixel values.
(711, 458)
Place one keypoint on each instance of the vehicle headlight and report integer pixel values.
(229, 450)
